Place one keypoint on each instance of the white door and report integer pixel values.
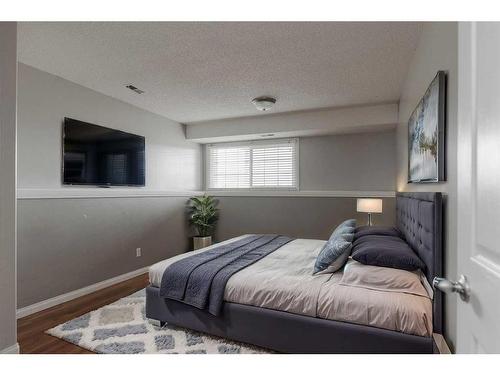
(479, 186)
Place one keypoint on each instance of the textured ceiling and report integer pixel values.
(199, 71)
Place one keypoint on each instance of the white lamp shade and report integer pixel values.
(369, 205)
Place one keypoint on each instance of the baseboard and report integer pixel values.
(14, 349)
(51, 302)
(302, 193)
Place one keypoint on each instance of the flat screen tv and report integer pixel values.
(96, 155)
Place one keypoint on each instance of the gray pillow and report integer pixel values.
(334, 253)
(386, 251)
(348, 226)
(348, 223)
(377, 231)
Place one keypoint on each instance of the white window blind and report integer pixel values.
(229, 167)
(252, 165)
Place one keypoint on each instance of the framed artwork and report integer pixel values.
(426, 134)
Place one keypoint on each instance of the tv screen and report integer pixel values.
(95, 155)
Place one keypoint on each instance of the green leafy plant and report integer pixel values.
(203, 214)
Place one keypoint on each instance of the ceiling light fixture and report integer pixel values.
(264, 103)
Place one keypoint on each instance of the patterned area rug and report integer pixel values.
(122, 327)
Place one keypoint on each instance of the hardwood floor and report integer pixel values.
(30, 330)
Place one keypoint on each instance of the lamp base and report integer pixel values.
(370, 223)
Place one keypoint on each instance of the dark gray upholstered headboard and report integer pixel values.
(419, 216)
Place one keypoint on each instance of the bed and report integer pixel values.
(276, 303)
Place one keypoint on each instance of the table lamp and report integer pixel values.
(370, 206)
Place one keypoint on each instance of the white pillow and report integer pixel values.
(383, 279)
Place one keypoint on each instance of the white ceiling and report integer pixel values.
(200, 71)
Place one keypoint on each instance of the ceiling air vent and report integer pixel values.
(134, 89)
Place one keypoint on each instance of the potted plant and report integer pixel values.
(203, 214)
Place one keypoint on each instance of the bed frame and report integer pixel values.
(418, 216)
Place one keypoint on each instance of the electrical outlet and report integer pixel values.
(138, 252)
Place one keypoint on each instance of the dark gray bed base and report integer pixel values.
(284, 332)
(418, 216)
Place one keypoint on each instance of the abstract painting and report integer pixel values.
(426, 138)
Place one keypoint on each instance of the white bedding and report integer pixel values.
(283, 281)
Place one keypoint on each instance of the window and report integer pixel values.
(253, 165)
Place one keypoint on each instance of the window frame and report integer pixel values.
(295, 164)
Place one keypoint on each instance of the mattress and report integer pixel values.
(283, 281)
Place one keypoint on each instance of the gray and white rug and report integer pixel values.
(122, 327)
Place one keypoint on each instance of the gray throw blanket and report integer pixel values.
(200, 280)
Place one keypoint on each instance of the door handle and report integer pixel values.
(446, 286)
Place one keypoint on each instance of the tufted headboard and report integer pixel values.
(419, 216)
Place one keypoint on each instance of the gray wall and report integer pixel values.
(363, 161)
(437, 50)
(301, 217)
(172, 163)
(66, 244)
(8, 76)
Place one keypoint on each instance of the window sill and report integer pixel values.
(301, 193)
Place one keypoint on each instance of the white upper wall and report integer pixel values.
(437, 50)
(350, 162)
(362, 162)
(172, 163)
(296, 124)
